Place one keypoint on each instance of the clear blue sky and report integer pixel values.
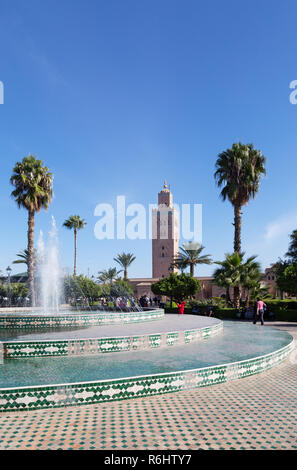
(114, 96)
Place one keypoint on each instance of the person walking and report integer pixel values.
(259, 311)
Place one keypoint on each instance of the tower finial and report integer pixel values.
(165, 185)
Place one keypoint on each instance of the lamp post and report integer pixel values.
(8, 270)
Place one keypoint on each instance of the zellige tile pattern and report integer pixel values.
(258, 412)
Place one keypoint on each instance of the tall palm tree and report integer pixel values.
(125, 260)
(190, 255)
(238, 172)
(33, 191)
(108, 275)
(76, 223)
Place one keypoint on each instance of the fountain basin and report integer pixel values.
(241, 351)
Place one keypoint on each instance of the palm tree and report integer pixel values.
(238, 171)
(24, 257)
(222, 279)
(190, 255)
(33, 191)
(250, 277)
(76, 223)
(180, 264)
(259, 291)
(108, 275)
(292, 252)
(232, 268)
(125, 260)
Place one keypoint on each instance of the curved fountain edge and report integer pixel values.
(96, 346)
(14, 320)
(55, 396)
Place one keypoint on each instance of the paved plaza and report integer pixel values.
(258, 412)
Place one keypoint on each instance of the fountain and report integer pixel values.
(48, 271)
(53, 358)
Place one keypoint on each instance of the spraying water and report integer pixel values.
(49, 271)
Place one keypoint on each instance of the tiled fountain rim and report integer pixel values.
(39, 313)
(30, 320)
(16, 349)
(90, 392)
(214, 325)
(146, 376)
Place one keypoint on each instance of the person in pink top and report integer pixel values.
(259, 311)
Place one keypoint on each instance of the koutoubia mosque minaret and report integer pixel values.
(165, 234)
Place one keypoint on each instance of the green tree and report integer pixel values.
(286, 277)
(121, 288)
(33, 191)
(237, 273)
(76, 287)
(222, 279)
(238, 172)
(18, 290)
(258, 290)
(177, 287)
(250, 277)
(190, 255)
(75, 223)
(108, 275)
(125, 260)
(292, 251)
(232, 268)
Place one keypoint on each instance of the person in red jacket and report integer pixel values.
(181, 308)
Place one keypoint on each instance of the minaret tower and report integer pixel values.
(165, 234)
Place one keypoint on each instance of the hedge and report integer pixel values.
(217, 312)
(280, 305)
(231, 313)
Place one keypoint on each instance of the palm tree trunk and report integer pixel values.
(247, 300)
(75, 251)
(236, 296)
(192, 270)
(237, 230)
(228, 295)
(125, 274)
(31, 257)
(237, 247)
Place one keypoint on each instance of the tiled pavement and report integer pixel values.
(258, 412)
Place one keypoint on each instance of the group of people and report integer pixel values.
(259, 307)
(259, 310)
(119, 303)
(146, 301)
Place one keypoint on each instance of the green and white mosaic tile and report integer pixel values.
(257, 413)
(72, 320)
(38, 348)
(53, 396)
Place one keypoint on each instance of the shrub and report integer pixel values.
(278, 305)
(168, 304)
(226, 313)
